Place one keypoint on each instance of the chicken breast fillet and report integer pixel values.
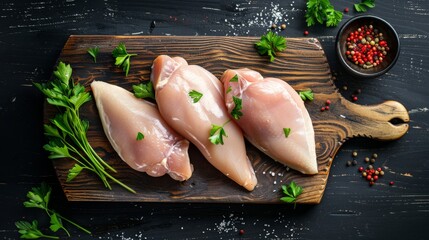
(173, 80)
(269, 107)
(161, 151)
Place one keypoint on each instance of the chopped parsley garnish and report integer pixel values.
(140, 136)
(236, 112)
(286, 131)
(234, 79)
(195, 95)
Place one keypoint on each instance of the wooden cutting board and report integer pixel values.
(303, 65)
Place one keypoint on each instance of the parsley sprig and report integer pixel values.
(39, 197)
(292, 191)
(363, 5)
(144, 90)
(217, 133)
(322, 11)
(93, 52)
(269, 44)
(122, 57)
(67, 131)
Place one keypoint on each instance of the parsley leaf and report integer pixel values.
(122, 57)
(31, 230)
(144, 90)
(56, 224)
(286, 131)
(269, 44)
(236, 112)
(322, 11)
(217, 133)
(140, 136)
(196, 96)
(292, 191)
(73, 172)
(228, 90)
(93, 52)
(364, 4)
(306, 95)
(234, 79)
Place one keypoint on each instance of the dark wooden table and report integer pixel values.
(32, 33)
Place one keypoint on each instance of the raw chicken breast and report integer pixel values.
(161, 151)
(269, 105)
(173, 80)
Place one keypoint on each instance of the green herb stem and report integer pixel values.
(71, 222)
(119, 182)
(50, 237)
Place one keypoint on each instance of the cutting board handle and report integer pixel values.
(385, 121)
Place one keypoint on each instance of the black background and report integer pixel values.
(32, 34)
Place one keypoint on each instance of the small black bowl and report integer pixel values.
(389, 34)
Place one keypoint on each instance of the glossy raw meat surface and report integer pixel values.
(268, 106)
(161, 151)
(173, 79)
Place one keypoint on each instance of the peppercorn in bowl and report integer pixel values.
(367, 46)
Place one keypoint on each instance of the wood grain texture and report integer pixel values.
(303, 65)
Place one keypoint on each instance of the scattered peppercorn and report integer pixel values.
(328, 102)
(346, 10)
(241, 232)
(354, 98)
(273, 26)
(370, 173)
(358, 91)
(322, 109)
(391, 183)
(305, 32)
(326, 107)
(283, 26)
(345, 88)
